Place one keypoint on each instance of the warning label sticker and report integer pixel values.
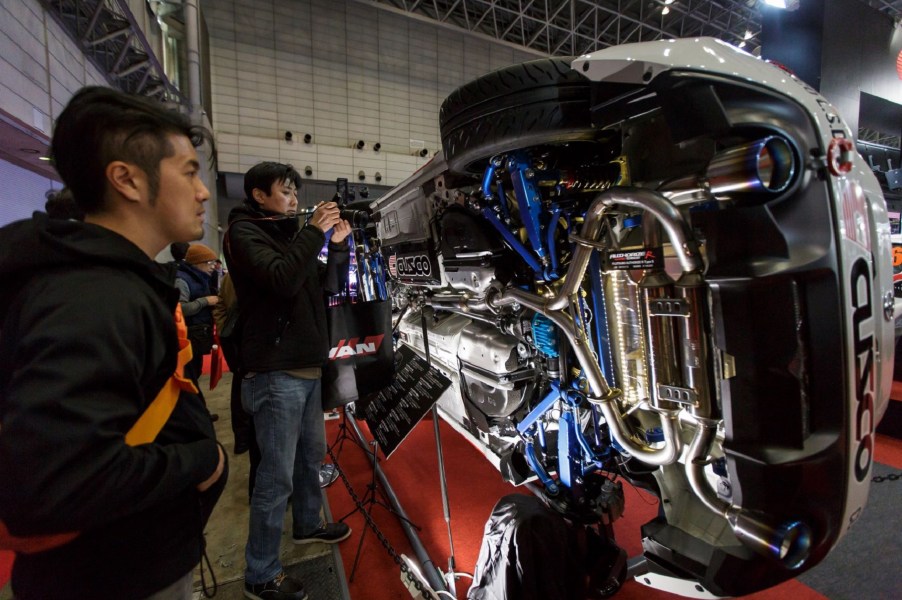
(646, 258)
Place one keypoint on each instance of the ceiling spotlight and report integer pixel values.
(360, 144)
(308, 138)
(378, 176)
(288, 136)
(423, 152)
(742, 44)
(377, 146)
(308, 170)
(784, 4)
(668, 1)
(361, 175)
(665, 10)
(748, 35)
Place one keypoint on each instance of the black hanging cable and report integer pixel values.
(208, 593)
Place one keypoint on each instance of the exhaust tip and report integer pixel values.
(788, 543)
(792, 544)
(766, 165)
(774, 164)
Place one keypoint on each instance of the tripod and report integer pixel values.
(369, 500)
(343, 431)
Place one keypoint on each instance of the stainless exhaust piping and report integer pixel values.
(666, 455)
(660, 334)
(766, 165)
(669, 215)
(576, 338)
(554, 309)
(789, 542)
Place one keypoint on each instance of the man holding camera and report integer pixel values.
(284, 342)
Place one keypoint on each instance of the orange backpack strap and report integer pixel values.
(150, 423)
(144, 431)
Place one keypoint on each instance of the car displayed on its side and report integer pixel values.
(663, 263)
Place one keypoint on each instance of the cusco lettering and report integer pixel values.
(417, 264)
(369, 345)
(832, 118)
(863, 327)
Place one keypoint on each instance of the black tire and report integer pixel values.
(523, 105)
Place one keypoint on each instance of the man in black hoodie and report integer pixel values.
(284, 342)
(88, 339)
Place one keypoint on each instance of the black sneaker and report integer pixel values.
(329, 533)
(282, 587)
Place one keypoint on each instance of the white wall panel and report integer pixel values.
(40, 66)
(340, 71)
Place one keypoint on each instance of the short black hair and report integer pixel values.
(100, 125)
(263, 175)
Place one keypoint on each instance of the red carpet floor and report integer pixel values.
(473, 488)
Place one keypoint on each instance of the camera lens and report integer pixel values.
(356, 218)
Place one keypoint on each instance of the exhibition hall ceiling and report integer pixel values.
(573, 27)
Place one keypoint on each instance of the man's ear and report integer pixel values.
(258, 195)
(126, 179)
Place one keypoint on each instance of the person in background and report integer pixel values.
(273, 263)
(89, 338)
(225, 314)
(196, 265)
(61, 205)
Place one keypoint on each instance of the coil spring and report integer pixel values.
(588, 185)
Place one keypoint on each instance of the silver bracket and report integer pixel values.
(674, 393)
(668, 307)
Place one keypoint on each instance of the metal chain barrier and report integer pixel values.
(890, 477)
(372, 525)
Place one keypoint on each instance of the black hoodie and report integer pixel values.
(280, 283)
(86, 342)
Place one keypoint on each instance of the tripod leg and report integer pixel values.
(357, 555)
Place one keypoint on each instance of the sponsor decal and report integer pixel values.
(414, 265)
(393, 265)
(354, 347)
(863, 339)
(897, 270)
(413, 262)
(646, 258)
(856, 223)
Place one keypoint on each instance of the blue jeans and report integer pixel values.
(288, 419)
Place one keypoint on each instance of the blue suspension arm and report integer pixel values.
(530, 203)
(512, 240)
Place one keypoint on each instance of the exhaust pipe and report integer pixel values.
(767, 165)
(788, 543)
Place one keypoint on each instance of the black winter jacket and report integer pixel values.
(280, 284)
(86, 342)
